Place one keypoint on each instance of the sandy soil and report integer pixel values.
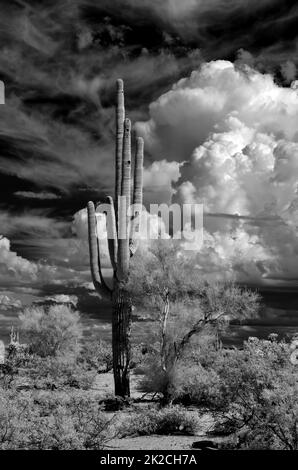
(104, 385)
(153, 443)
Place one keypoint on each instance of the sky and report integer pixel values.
(210, 85)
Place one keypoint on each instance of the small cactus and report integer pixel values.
(122, 241)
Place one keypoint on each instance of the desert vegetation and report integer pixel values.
(49, 393)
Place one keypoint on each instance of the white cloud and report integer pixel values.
(158, 179)
(288, 70)
(196, 106)
(16, 271)
(14, 266)
(7, 302)
(237, 132)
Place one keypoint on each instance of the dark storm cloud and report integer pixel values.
(59, 68)
(218, 27)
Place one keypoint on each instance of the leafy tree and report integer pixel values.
(169, 284)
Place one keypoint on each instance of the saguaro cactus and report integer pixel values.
(122, 227)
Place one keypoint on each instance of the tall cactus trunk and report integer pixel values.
(121, 328)
(122, 241)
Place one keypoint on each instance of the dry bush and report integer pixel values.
(96, 355)
(169, 420)
(52, 422)
(52, 331)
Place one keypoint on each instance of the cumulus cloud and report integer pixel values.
(158, 181)
(288, 70)
(64, 266)
(197, 105)
(235, 255)
(6, 302)
(235, 130)
(14, 266)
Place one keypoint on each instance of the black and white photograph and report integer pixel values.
(149, 229)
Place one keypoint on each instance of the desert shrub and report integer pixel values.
(195, 379)
(51, 331)
(188, 381)
(48, 373)
(45, 373)
(154, 378)
(87, 422)
(52, 421)
(269, 421)
(168, 420)
(97, 354)
(10, 370)
(259, 385)
(57, 373)
(253, 390)
(56, 364)
(193, 384)
(15, 412)
(138, 355)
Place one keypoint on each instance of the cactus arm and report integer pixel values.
(93, 244)
(95, 267)
(106, 285)
(126, 161)
(138, 173)
(137, 195)
(120, 115)
(112, 233)
(123, 218)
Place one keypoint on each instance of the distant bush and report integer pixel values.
(51, 331)
(48, 373)
(54, 358)
(170, 420)
(57, 373)
(139, 355)
(97, 355)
